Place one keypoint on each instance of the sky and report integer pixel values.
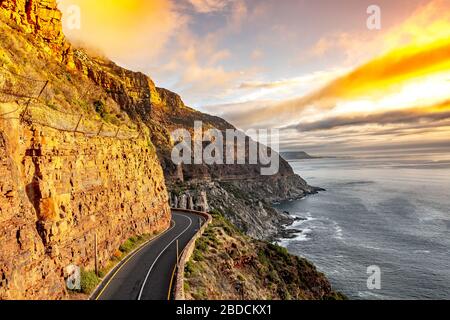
(313, 69)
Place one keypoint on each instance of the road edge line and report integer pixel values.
(111, 274)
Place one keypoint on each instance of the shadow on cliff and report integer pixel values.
(34, 194)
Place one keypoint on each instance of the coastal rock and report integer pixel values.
(227, 265)
(190, 199)
(61, 190)
(247, 210)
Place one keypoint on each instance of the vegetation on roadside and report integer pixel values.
(226, 264)
(89, 280)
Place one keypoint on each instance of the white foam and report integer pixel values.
(339, 232)
(370, 295)
(303, 236)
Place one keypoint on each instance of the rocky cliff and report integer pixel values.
(133, 96)
(41, 19)
(58, 191)
(64, 191)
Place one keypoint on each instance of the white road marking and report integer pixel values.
(161, 253)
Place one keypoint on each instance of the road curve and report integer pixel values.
(148, 274)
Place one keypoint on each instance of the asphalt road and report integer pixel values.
(148, 274)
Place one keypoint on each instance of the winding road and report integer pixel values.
(148, 273)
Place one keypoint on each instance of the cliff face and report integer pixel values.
(61, 191)
(164, 111)
(41, 19)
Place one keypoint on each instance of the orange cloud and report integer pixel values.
(125, 29)
(380, 77)
(386, 72)
(428, 23)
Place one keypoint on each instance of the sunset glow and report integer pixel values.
(258, 64)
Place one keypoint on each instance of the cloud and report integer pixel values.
(208, 6)
(197, 68)
(131, 31)
(376, 79)
(407, 116)
(239, 13)
(388, 71)
(311, 80)
(428, 23)
(257, 54)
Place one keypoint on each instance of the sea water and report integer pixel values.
(393, 213)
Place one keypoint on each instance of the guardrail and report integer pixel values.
(179, 293)
(27, 93)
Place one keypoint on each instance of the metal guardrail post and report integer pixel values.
(178, 253)
(96, 253)
(42, 90)
(100, 130)
(78, 123)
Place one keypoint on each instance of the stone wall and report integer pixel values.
(57, 191)
(179, 293)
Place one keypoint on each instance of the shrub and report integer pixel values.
(89, 281)
(279, 250)
(198, 256)
(99, 108)
(190, 268)
(202, 245)
(127, 246)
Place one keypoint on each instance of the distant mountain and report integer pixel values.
(297, 155)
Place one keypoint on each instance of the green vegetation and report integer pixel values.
(99, 108)
(191, 268)
(178, 189)
(229, 265)
(102, 111)
(229, 228)
(89, 281)
(200, 294)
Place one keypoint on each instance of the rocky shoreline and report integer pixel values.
(247, 204)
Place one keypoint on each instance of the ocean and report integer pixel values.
(393, 213)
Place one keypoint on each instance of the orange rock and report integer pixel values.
(47, 210)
